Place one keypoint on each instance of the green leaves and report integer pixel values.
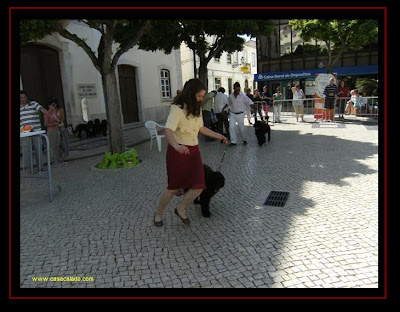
(33, 30)
(353, 34)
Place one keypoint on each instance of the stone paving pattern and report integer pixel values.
(100, 224)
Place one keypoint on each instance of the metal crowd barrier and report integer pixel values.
(40, 174)
(369, 107)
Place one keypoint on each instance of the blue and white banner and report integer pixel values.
(310, 73)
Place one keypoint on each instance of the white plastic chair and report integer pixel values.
(154, 133)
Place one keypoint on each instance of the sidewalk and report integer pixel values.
(82, 148)
(138, 134)
(100, 226)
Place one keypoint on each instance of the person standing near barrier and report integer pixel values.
(237, 102)
(330, 91)
(64, 144)
(266, 97)
(257, 104)
(343, 93)
(357, 102)
(277, 104)
(298, 97)
(29, 116)
(184, 163)
(350, 103)
(249, 109)
(53, 132)
(363, 103)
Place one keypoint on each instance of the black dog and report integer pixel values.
(261, 129)
(96, 129)
(84, 127)
(103, 127)
(99, 127)
(215, 180)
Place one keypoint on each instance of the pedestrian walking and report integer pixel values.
(221, 111)
(184, 162)
(237, 102)
(207, 107)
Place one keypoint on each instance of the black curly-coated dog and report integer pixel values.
(215, 180)
(103, 127)
(261, 128)
(84, 127)
(99, 127)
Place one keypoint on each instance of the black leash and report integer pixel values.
(223, 156)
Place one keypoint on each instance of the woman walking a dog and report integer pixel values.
(184, 163)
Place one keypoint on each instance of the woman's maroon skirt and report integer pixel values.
(185, 171)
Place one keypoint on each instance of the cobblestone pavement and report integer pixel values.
(100, 225)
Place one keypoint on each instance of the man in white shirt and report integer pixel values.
(237, 104)
(221, 111)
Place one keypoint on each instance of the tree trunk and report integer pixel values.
(329, 66)
(194, 64)
(203, 73)
(113, 110)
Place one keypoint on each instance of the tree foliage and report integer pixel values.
(33, 30)
(338, 35)
(368, 85)
(207, 38)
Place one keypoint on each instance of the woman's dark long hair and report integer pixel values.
(188, 96)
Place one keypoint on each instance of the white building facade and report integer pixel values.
(224, 72)
(57, 67)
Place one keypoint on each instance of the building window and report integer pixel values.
(216, 59)
(165, 84)
(229, 58)
(253, 59)
(217, 83)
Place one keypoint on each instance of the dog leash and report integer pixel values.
(223, 156)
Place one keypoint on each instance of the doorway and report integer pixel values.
(40, 74)
(128, 93)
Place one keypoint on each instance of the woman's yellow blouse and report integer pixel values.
(185, 128)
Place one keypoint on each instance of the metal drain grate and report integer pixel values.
(277, 199)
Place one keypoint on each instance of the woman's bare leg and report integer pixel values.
(189, 197)
(166, 197)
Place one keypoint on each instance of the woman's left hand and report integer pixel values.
(224, 139)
